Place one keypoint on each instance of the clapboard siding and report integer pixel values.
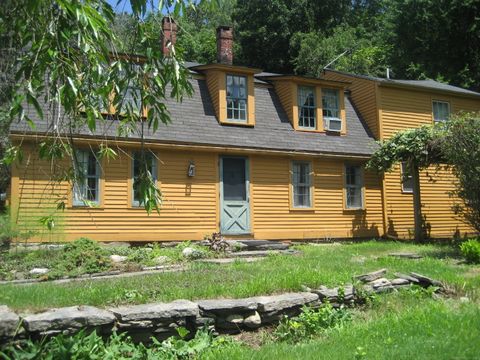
(275, 220)
(404, 109)
(363, 97)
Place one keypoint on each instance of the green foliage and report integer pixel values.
(317, 49)
(419, 146)
(311, 322)
(460, 146)
(83, 256)
(471, 250)
(117, 346)
(9, 231)
(216, 242)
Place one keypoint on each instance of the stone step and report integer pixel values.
(253, 245)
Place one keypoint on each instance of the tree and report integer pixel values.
(419, 148)
(70, 66)
(460, 147)
(437, 39)
(316, 50)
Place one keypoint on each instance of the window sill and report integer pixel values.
(302, 209)
(237, 123)
(353, 210)
(407, 192)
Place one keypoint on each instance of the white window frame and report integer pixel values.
(135, 202)
(358, 186)
(403, 180)
(305, 122)
(80, 190)
(438, 120)
(307, 184)
(241, 100)
(328, 94)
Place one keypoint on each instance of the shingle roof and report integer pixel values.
(194, 122)
(426, 84)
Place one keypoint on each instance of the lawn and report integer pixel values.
(328, 265)
(409, 324)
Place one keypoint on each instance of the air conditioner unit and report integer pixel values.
(334, 125)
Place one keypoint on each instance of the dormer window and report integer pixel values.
(306, 107)
(236, 98)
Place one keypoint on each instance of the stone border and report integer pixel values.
(221, 315)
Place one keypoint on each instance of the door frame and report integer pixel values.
(247, 193)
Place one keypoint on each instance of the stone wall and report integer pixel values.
(221, 315)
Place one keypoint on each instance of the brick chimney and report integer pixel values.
(169, 28)
(225, 45)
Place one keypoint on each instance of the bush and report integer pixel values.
(310, 322)
(84, 256)
(471, 251)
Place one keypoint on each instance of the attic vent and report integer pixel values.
(334, 125)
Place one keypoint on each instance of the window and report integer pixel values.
(301, 184)
(86, 187)
(151, 167)
(331, 104)
(407, 180)
(236, 98)
(354, 186)
(441, 111)
(132, 96)
(306, 107)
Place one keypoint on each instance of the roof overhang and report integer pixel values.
(307, 80)
(420, 88)
(227, 68)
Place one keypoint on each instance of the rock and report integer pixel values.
(407, 277)
(156, 312)
(39, 271)
(234, 245)
(235, 319)
(69, 318)
(400, 282)
(117, 259)
(253, 321)
(116, 244)
(407, 255)
(160, 260)
(226, 306)
(285, 301)
(463, 299)
(371, 276)
(325, 293)
(192, 253)
(305, 288)
(8, 322)
(348, 292)
(425, 281)
(381, 285)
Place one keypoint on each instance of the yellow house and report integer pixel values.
(388, 106)
(251, 154)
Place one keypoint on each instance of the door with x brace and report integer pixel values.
(234, 196)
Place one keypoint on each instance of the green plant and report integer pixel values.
(471, 251)
(8, 231)
(216, 242)
(83, 256)
(310, 322)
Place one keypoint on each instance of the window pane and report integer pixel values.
(330, 103)
(138, 167)
(301, 184)
(441, 111)
(354, 185)
(306, 107)
(407, 180)
(234, 179)
(86, 184)
(236, 98)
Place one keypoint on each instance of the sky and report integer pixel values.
(124, 5)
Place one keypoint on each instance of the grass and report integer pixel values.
(400, 327)
(327, 265)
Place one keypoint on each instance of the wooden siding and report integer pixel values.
(363, 95)
(285, 91)
(403, 109)
(213, 85)
(328, 219)
(189, 209)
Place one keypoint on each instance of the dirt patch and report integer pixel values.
(255, 339)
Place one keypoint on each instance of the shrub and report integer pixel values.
(310, 322)
(83, 256)
(471, 251)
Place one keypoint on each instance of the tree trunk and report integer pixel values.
(417, 202)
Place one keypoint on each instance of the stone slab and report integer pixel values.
(222, 306)
(425, 280)
(406, 255)
(8, 322)
(73, 317)
(407, 277)
(156, 311)
(230, 260)
(371, 276)
(285, 301)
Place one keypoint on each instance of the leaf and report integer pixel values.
(33, 101)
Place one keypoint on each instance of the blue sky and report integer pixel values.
(124, 5)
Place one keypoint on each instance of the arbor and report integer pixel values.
(419, 148)
(70, 67)
(460, 147)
